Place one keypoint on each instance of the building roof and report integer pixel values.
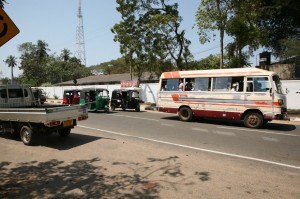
(109, 79)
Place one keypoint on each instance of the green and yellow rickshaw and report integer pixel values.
(95, 98)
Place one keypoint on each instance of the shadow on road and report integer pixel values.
(234, 123)
(55, 141)
(92, 179)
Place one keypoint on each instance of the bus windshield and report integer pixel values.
(277, 84)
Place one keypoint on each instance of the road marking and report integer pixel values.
(270, 139)
(136, 117)
(202, 130)
(196, 148)
(215, 132)
(260, 131)
(224, 133)
(163, 124)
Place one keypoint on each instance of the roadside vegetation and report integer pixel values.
(151, 39)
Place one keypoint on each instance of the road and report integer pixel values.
(125, 154)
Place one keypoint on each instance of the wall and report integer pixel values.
(292, 88)
(149, 91)
(147, 94)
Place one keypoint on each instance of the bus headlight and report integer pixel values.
(280, 102)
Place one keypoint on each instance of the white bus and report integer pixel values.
(249, 94)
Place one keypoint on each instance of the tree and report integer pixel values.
(279, 21)
(11, 61)
(212, 15)
(149, 34)
(242, 27)
(2, 3)
(34, 59)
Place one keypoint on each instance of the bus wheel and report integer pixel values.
(253, 120)
(185, 114)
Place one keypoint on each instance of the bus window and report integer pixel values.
(169, 85)
(189, 84)
(222, 84)
(258, 84)
(202, 84)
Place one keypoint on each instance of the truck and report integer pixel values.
(21, 114)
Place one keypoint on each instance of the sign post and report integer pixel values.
(7, 28)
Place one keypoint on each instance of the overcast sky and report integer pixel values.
(55, 22)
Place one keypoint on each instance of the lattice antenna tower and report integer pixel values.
(80, 45)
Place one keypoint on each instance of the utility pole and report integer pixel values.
(80, 45)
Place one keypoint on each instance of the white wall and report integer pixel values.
(292, 88)
(149, 91)
(147, 94)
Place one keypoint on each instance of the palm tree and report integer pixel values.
(11, 61)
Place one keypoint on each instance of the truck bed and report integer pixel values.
(42, 114)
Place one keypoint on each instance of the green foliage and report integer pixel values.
(279, 20)
(2, 3)
(211, 16)
(210, 62)
(149, 34)
(40, 67)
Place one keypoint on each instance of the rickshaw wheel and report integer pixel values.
(113, 107)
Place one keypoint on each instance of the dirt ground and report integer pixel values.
(92, 164)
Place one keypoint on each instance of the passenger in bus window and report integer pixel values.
(188, 85)
(180, 86)
(235, 87)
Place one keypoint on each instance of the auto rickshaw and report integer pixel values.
(125, 99)
(96, 99)
(71, 96)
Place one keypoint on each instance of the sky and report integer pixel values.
(55, 22)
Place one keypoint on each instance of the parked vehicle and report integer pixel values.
(125, 99)
(71, 96)
(251, 95)
(20, 113)
(39, 95)
(95, 99)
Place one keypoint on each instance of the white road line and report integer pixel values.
(270, 139)
(254, 130)
(202, 130)
(196, 148)
(163, 124)
(224, 133)
(136, 117)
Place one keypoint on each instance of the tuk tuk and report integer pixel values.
(96, 99)
(71, 96)
(125, 99)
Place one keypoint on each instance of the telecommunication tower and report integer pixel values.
(80, 45)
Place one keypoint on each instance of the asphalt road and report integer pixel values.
(125, 154)
(278, 143)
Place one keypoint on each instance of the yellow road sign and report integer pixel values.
(7, 28)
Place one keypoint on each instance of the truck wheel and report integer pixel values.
(253, 120)
(26, 134)
(185, 114)
(64, 132)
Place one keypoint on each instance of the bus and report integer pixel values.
(251, 95)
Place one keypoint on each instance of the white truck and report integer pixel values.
(21, 113)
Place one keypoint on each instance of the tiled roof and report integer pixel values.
(107, 79)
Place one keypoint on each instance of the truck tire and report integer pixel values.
(26, 135)
(64, 132)
(185, 114)
(253, 119)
